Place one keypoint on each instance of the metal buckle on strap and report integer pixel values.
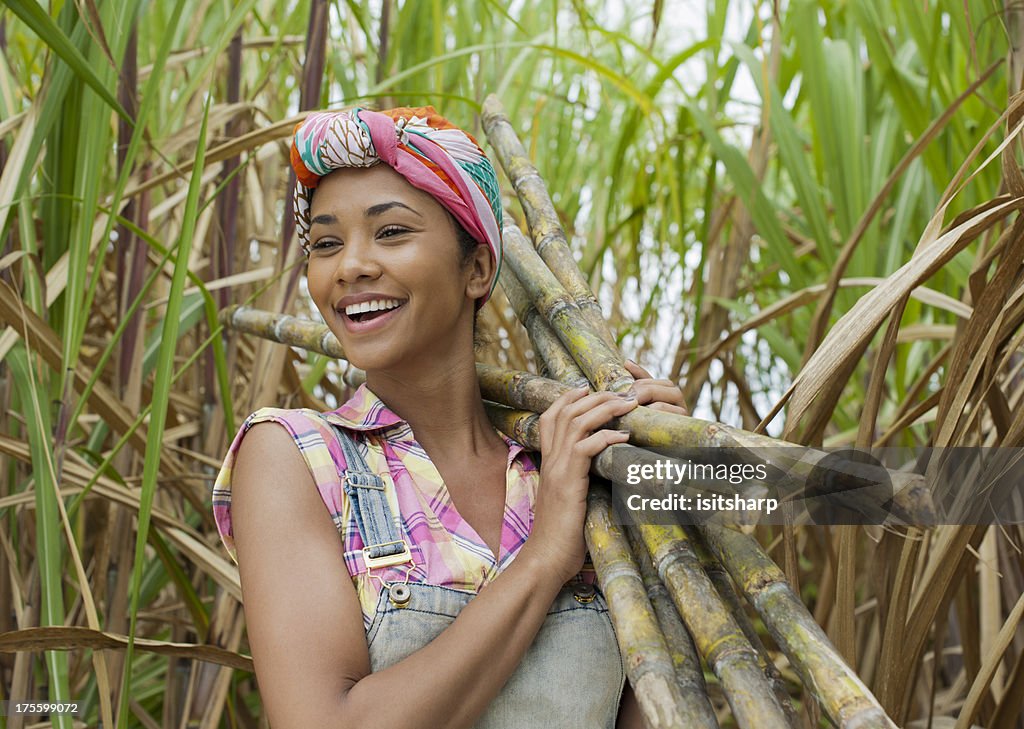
(385, 481)
(387, 560)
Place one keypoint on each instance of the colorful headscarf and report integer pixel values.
(425, 148)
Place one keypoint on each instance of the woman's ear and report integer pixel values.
(481, 272)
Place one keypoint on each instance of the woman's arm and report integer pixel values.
(304, 619)
(629, 711)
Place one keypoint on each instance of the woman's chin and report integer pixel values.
(375, 359)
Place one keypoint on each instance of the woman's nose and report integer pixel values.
(356, 260)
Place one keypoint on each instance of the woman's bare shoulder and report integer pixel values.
(271, 471)
(266, 441)
(277, 440)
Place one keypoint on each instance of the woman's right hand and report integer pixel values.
(569, 440)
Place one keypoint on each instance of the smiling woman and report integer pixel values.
(404, 563)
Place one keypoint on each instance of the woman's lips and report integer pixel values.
(367, 325)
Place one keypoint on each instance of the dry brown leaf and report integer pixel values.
(77, 638)
(980, 685)
(854, 330)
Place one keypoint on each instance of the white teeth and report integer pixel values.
(375, 305)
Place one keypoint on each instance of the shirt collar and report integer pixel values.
(365, 411)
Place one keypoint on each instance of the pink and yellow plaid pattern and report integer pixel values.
(446, 550)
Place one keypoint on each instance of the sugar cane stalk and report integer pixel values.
(689, 674)
(657, 429)
(282, 328)
(719, 639)
(600, 362)
(823, 671)
(559, 364)
(541, 217)
(648, 663)
(716, 573)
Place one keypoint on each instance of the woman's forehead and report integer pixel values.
(359, 189)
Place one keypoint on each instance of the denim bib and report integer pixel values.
(572, 675)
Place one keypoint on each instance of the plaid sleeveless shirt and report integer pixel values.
(446, 550)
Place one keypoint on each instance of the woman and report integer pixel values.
(438, 611)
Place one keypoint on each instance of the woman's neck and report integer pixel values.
(442, 405)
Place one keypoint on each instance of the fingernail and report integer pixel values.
(624, 432)
(629, 394)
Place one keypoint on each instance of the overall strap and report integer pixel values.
(365, 490)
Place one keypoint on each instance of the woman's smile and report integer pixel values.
(368, 312)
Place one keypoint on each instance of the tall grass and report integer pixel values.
(766, 199)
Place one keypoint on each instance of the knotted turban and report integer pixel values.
(425, 148)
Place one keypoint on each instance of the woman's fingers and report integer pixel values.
(566, 410)
(578, 412)
(598, 441)
(579, 417)
(570, 419)
(550, 418)
(637, 371)
(656, 393)
(604, 410)
(666, 408)
(568, 397)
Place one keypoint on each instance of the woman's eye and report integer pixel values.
(324, 243)
(391, 231)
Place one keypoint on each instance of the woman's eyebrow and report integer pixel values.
(382, 208)
(372, 211)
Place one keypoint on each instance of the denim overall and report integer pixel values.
(571, 676)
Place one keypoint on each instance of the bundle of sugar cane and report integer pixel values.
(560, 294)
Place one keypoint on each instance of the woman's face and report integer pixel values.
(385, 270)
